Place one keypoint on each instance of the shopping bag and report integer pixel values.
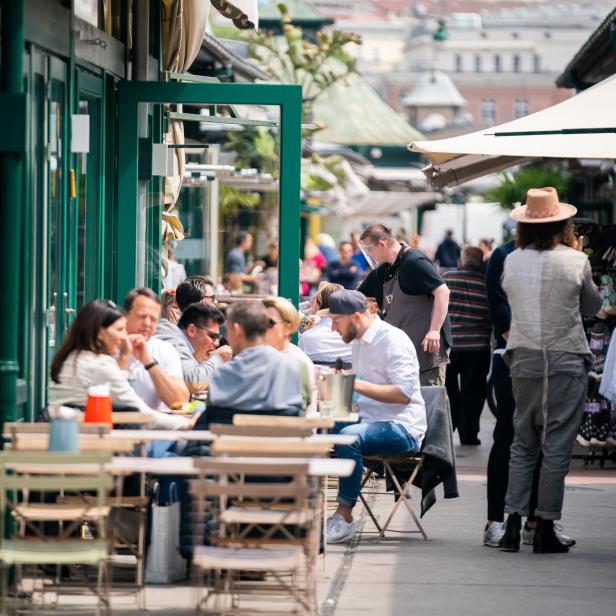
(164, 564)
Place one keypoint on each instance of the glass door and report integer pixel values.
(48, 199)
(86, 221)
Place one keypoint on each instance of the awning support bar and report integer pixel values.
(195, 117)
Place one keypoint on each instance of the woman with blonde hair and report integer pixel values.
(321, 343)
(284, 322)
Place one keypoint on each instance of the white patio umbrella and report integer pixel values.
(583, 126)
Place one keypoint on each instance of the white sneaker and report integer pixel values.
(338, 529)
(528, 535)
(492, 534)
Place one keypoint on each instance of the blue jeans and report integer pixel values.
(373, 439)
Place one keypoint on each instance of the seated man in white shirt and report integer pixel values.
(391, 410)
(153, 366)
(320, 342)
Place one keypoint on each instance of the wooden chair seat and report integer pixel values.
(395, 459)
(53, 552)
(110, 501)
(61, 512)
(248, 559)
(250, 515)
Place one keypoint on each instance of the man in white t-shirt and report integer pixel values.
(154, 366)
(391, 409)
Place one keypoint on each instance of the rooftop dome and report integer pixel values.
(434, 89)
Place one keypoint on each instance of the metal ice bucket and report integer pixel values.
(336, 388)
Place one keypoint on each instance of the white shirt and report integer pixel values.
(140, 379)
(386, 355)
(322, 344)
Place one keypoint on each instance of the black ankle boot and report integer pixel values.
(510, 541)
(546, 541)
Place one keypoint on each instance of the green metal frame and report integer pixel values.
(287, 97)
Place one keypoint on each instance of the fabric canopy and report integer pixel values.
(583, 126)
(377, 203)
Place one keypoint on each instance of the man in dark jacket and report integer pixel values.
(448, 251)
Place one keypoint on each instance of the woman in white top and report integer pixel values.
(321, 343)
(284, 322)
(87, 357)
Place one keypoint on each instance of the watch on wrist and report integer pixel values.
(151, 365)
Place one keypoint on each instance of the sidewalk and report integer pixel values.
(453, 572)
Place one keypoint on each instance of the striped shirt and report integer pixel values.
(468, 310)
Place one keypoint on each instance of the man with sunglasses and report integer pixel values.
(196, 338)
(412, 296)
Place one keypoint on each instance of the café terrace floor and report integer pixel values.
(453, 573)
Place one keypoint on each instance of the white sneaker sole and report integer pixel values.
(344, 538)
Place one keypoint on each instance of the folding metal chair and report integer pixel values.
(402, 491)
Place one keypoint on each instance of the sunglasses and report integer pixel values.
(271, 323)
(213, 335)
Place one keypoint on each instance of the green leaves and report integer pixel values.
(513, 188)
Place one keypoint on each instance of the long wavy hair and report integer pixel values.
(83, 332)
(545, 235)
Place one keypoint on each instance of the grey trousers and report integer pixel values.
(565, 405)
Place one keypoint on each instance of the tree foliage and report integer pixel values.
(513, 187)
(294, 59)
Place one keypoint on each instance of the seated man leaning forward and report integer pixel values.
(391, 410)
(258, 378)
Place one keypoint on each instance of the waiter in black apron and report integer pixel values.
(412, 296)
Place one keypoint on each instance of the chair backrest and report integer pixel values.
(224, 415)
(254, 486)
(271, 431)
(250, 419)
(88, 443)
(268, 447)
(133, 418)
(20, 427)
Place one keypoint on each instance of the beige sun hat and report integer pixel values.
(542, 205)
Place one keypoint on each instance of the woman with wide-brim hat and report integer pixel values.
(548, 281)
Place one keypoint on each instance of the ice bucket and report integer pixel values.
(336, 388)
(63, 430)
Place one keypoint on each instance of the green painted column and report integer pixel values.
(12, 152)
(290, 171)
